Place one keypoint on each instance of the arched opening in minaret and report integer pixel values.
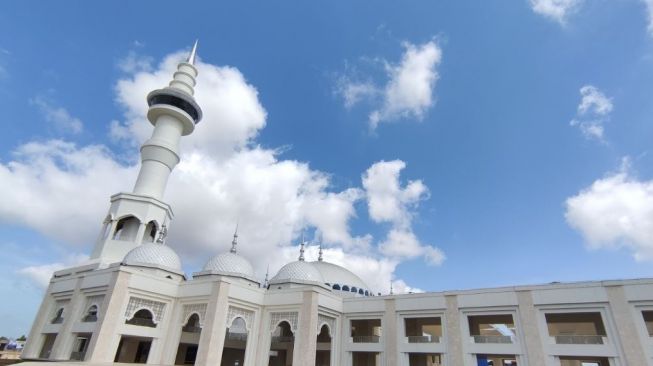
(150, 232)
(189, 341)
(281, 345)
(235, 343)
(126, 229)
(323, 349)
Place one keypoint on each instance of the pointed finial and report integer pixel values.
(235, 241)
(193, 53)
(391, 290)
(319, 257)
(301, 249)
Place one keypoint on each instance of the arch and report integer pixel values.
(126, 228)
(354, 289)
(345, 288)
(328, 328)
(231, 322)
(58, 316)
(143, 317)
(151, 230)
(336, 287)
(199, 318)
(367, 293)
(361, 292)
(192, 324)
(91, 313)
(106, 226)
(282, 321)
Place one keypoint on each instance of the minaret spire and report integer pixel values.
(391, 290)
(319, 257)
(266, 282)
(192, 54)
(235, 241)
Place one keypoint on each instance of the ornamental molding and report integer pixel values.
(329, 321)
(290, 316)
(136, 303)
(190, 309)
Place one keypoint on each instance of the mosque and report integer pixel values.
(132, 303)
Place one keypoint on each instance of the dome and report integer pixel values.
(335, 274)
(153, 254)
(298, 271)
(230, 264)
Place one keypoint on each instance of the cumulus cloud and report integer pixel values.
(592, 112)
(557, 10)
(40, 275)
(62, 190)
(408, 92)
(614, 212)
(649, 15)
(59, 116)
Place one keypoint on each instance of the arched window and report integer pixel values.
(367, 293)
(336, 287)
(150, 232)
(237, 330)
(192, 325)
(58, 317)
(354, 289)
(126, 229)
(361, 292)
(143, 318)
(345, 288)
(91, 314)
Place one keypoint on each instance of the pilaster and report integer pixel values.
(306, 338)
(454, 355)
(35, 337)
(531, 333)
(63, 345)
(209, 351)
(631, 346)
(390, 333)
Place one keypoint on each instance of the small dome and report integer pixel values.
(153, 254)
(230, 264)
(298, 271)
(335, 274)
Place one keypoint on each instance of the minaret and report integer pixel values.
(139, 216)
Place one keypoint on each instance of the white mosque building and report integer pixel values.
(132, 302)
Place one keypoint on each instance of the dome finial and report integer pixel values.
(266, 282)
(301, 248)
(193, 53)
(319, 257)
(391, 290)
(235, 241)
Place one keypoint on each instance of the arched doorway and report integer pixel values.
(281, 345)
(235, 343)
(189, 340)
(323, 349)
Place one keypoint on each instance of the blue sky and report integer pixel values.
(513, 143)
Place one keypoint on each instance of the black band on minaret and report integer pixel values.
(176, 99)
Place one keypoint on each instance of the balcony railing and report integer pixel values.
(191, 329)
(492, 339)
(423, 339)
(578, 339)
(77, 356)
(143, 322)
(365, 339)
(89, 318)
(57, 320)
(283, 339)
(242, 337)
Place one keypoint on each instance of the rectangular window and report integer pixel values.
(576, 328)
(423, 330)
(648, 320)
(366, 330)
(498, 328)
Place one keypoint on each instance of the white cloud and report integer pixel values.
(40, 274)
(649, 15)
(62, 190)
(133, 62)
(408, 92)
(592, 112)
(615, 211)
(558, 10)
(59, 116)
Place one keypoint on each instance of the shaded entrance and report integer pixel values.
(189, 340)
(235, 343)
(281, 345)
(133, 349)
(425, 359)
(323, 349)
(48, 342)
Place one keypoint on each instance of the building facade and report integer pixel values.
(132, 303)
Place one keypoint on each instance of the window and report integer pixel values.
(498, 328)
(142, 318)
(576, 328)
(648, 319)
(91, 314)
(58, 317)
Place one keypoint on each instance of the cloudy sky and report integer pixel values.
(436, 146)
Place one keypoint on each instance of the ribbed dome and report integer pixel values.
(230, 264)
(153, 254)
(298, 271)
(335, 274)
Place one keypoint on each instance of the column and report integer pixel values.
(63, 345)
(306, 337)
(35, 337)
(453, 334)
(531, 333)
(209, 351)
(104, 341)
(389, 333)
(631, 345)
(173, 335)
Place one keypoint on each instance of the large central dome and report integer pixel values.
(340, 278)
(298, 272)
(153, 255)
(230, 264)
